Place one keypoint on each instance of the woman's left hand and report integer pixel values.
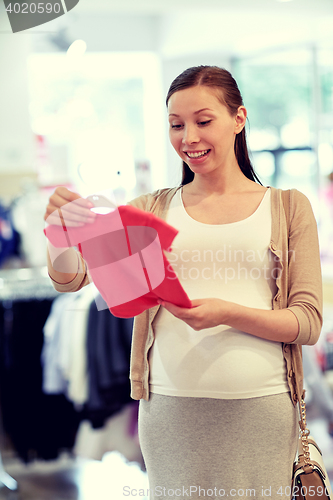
(205, 313)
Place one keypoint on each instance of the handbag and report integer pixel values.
(310, 480)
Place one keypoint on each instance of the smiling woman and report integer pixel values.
(218, 369)
(208, 375)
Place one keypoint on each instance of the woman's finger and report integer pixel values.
(175, 310)
(54, 219)
(76, 205)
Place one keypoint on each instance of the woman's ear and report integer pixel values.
(240, 119)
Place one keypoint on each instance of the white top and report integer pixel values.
(226, 261)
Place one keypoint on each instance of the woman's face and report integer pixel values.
(202, 131)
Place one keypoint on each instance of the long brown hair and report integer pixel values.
(229, 96)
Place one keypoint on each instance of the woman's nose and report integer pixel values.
(190, 135)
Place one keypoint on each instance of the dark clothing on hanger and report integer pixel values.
(108, 346)
(9, 237)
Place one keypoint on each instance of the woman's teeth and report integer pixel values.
(197, 154)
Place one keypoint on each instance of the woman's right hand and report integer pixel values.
(68, 207)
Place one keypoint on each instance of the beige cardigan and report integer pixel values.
(298, 283)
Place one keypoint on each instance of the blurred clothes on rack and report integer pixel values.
(9, 237)
(64, 351)
(86, 356)
(38, 425)
(109, 345)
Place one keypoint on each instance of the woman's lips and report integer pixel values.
(197, 156)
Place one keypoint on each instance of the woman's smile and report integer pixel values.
(196, 157)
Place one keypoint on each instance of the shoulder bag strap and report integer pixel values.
(285, 196)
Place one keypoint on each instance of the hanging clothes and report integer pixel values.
(86, 356)
(64, 356)
(39, 425)
(9, 237)
(54, 381)
(108, 346)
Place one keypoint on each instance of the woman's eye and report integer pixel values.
(205, 122)
(176, 126)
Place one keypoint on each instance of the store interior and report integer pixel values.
(82, 105)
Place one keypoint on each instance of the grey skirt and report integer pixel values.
(216, 448)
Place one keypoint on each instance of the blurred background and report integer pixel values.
(82, 105)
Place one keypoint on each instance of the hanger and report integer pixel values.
(102, 205)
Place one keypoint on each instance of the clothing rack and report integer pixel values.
(26, 284)
(22, 284)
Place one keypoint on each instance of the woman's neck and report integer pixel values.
(209, 184)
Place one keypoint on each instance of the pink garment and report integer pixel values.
(125, 258)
